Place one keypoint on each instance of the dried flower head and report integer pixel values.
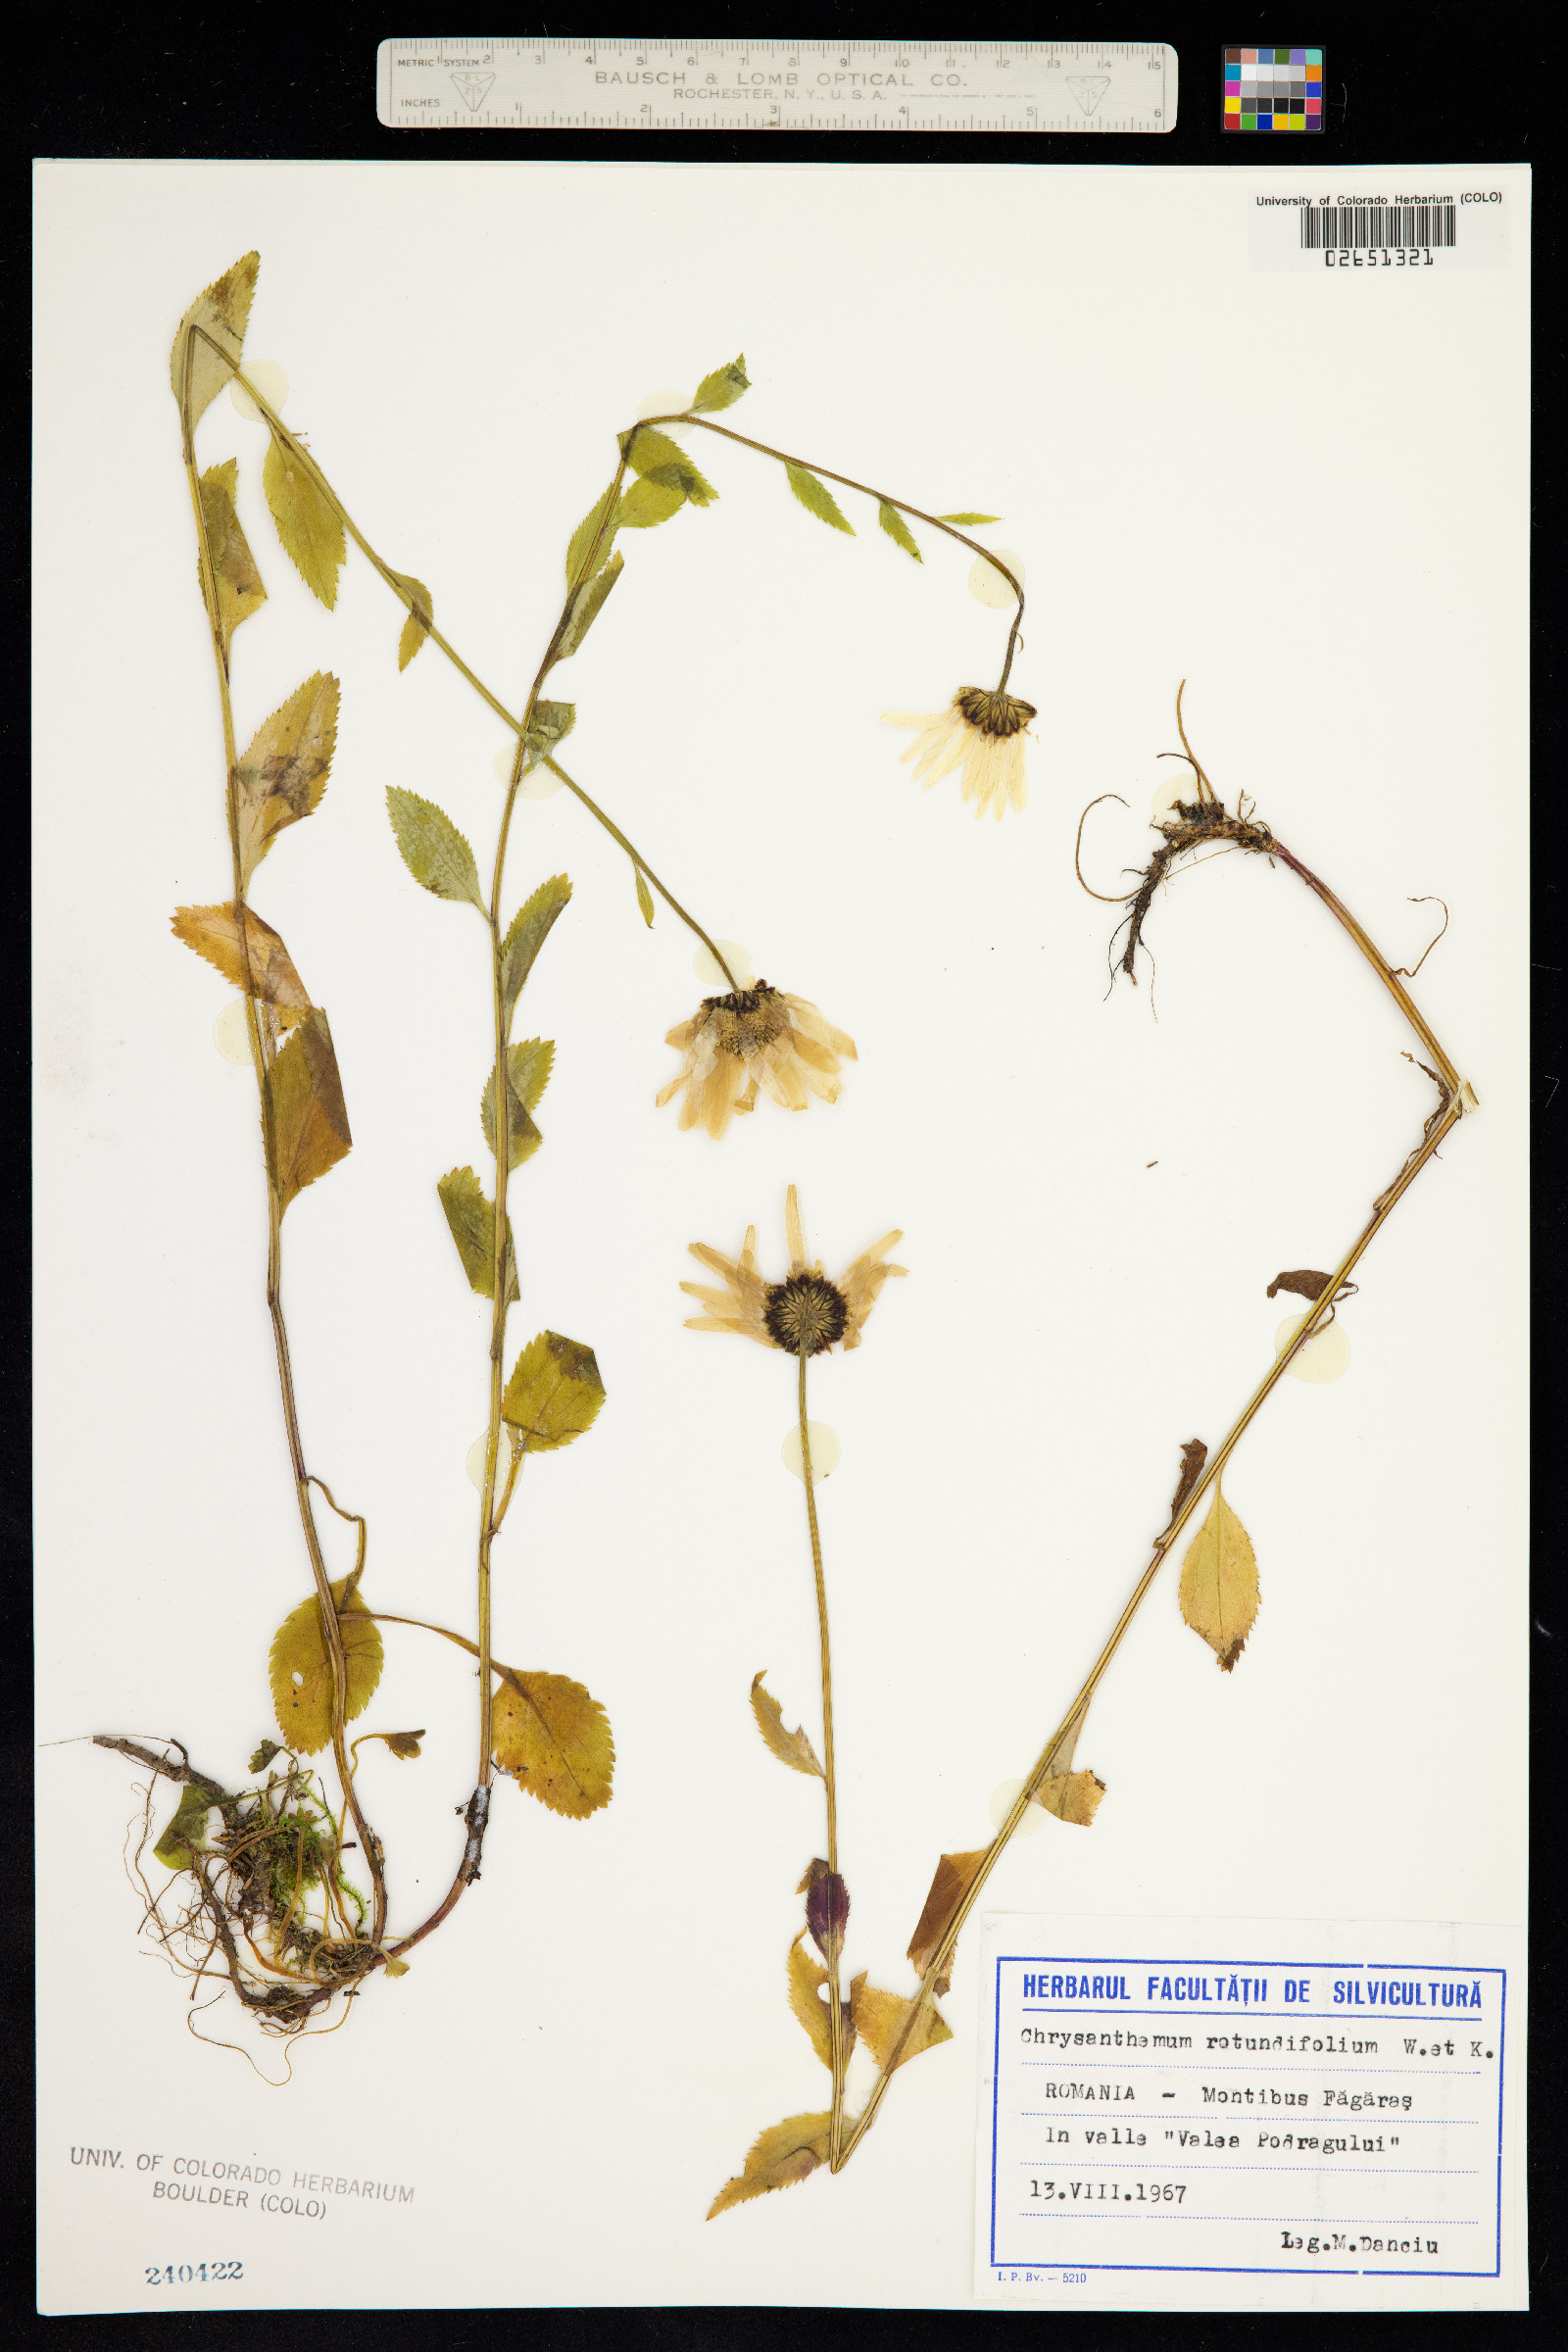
(805, 1314)
(980, 730)
(755, 1036)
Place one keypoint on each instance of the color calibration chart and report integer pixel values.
(1273, 89)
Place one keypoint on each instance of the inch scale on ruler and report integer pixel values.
(552, 84)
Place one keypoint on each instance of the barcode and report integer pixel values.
(1340, 226)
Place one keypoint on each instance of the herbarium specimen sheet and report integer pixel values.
(1295, 495)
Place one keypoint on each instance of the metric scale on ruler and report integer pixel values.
(450, 84)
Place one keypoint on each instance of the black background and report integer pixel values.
(1440, 84)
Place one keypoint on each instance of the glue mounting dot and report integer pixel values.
(1002, 1800)
(1325, 1356)
(826, 1451)
(987, 583)
(231, 1032)
(270, 381)
(710, 972)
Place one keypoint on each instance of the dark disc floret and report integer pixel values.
(805, 1314)
(993, 711)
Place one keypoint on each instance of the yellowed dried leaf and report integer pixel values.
(556, 1742)
(1072, 1796)
(254, 959)
(791, 1748)
(421, 611)
(221, 313)
(238, 582)
(310, 1122)
(880, 2018)
(806, 1979)
(301, 1669)
(283, 775)
(555, 1392)
(788, 2152)
(310, 529)
(1218, 1591)
(955, 1875)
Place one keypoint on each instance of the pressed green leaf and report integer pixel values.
(649, 452)
(969, 518)
(585, 608)
(254, 959)
(650, 501)
(473, 1219)
(529, 1067)
(645, 897)
(422, 612)
(310, 529)
(551, 723)
(186, 1835)
(816, 496)
(221, 313)
(555, 1739)
(722, 388)
(584, 537)
(897, 528)
(301, 1669)
(263, 1755)
(310, 1122)
(555, 1392)
(777, 2158)
(239, 584)
(434, 852)
(283, 773)
(530, 927)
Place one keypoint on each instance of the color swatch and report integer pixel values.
(1273, 89)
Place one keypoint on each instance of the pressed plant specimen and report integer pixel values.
(263, 1898)
(1218, 1586)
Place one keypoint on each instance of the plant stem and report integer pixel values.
(884, 498)
(260, 1056)
(400, 589)
(835, 2013)
(478, 1809)
(1056, 1754)
(642, 868)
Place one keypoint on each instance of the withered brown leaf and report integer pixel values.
(777, 2158)
(955, 1875)
(880, 2018)
(1195, 1454)
(1303, 1280)
(554, 1740)
(283, 775)
(1071, 1796)
(253, 958)
(1218, 1589)
(310, 1121)
(792, 1749)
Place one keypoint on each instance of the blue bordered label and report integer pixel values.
(1319, 2118)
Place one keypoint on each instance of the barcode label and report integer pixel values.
(1338, 227)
